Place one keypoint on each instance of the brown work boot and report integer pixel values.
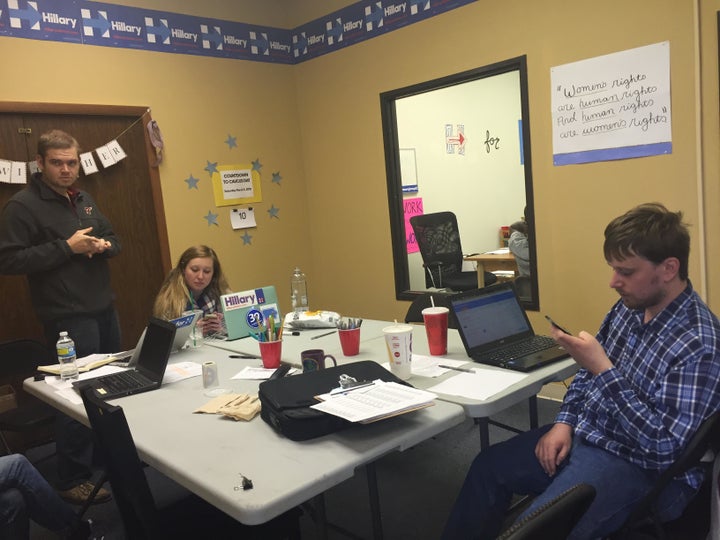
(80, 493)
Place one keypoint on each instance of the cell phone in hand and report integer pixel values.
(556, 325)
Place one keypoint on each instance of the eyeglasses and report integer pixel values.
(70, 163)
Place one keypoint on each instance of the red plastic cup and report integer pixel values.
(270, 352)
(350, 341)
(436, 325)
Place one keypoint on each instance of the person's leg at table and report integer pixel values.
(614, 499)
(497, 473)
(109, 331)
(14, 520)
(25, 495)
(73, 440)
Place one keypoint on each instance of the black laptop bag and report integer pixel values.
(286, 402)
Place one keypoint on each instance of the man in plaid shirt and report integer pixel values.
(647, 381)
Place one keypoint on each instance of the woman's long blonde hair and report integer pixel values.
(174, 295)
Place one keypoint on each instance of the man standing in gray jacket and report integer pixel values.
(56, 235)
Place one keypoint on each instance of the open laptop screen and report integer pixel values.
(487, 317)
(155, 348)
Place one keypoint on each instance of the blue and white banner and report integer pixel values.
(109, 25)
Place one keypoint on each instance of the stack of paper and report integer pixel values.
(86, 363)
(375, 401)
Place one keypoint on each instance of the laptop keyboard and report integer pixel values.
(124, 380)
(520, 349)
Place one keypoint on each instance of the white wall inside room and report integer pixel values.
(485, 186)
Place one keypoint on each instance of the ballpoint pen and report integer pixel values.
(245, 355)
(464, 370)
(323, 335)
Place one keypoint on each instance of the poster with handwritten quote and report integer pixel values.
(611, 107)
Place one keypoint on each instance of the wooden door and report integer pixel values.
(127, 193)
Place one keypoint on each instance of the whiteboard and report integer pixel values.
(408, 170)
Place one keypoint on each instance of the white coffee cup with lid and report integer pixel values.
(398, 339)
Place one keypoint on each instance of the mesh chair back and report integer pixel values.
(438, 239)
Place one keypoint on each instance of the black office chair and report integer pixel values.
(438, 239)
(189, 518)
(424, 300)
(554, 520)
(29, 424)
(644, 522)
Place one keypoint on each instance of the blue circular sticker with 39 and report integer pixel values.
(254, 319)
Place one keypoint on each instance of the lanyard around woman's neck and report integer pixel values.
(193, 302)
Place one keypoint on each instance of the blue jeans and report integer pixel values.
(97, 333)
(511, 468)
(24, 495)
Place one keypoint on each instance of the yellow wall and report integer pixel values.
(572, 203)
(318, 124)
(197, 102)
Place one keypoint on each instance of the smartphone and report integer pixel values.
(556, 325)
(280, 372)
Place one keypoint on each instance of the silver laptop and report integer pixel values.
(495, 330)
(183, 327)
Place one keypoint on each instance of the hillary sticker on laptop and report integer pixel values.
(247, 311)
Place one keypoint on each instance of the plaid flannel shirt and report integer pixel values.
(664, 383)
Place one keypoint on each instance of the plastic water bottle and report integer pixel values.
(298, 291)
(66, 357)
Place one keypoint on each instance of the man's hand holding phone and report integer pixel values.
(556, 325)
(584, 348)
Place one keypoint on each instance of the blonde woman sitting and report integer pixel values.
(196, 283)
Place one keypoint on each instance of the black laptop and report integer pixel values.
(148, 373)
(496, 331)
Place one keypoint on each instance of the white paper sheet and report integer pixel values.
(429, 366)
(481, 384)
(258, 373)
(375, 401)
(180, 371)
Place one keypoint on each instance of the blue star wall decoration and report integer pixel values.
(231, 142)
(192, 182)
(256, 165)
(211, 218)
(246, 238)
(211, 168)
(276, 178)
(274, 212)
